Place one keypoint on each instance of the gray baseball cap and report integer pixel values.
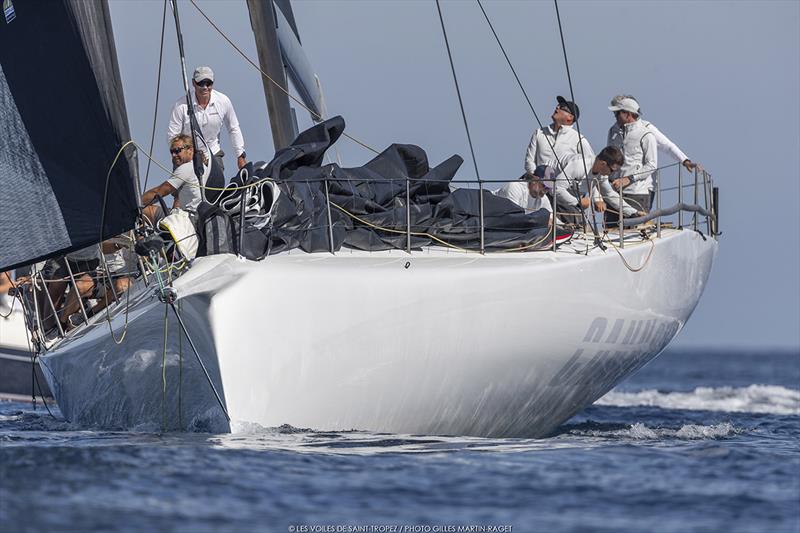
(203, 73)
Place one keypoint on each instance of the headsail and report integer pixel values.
(62, 113)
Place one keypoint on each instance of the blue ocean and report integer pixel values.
(696, 441)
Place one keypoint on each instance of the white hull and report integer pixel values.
(433, 343)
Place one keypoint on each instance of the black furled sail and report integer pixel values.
(63, 123)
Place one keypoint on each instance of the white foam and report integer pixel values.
(771, 399)
(640, 431)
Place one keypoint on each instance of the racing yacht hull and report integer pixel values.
(437, 342)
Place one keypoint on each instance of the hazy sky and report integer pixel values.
(721, 79)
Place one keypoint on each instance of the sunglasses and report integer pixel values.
(205, 83)
(565, 109)
(176, 151)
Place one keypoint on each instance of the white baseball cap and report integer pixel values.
(624, 104)
(203, 73)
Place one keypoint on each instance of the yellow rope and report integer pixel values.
(400, 232)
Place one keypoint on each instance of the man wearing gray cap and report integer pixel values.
(212, 110)
(559, 139)
(638, 144)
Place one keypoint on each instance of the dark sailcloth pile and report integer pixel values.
(368, 204)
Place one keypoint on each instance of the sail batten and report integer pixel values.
(64, 122)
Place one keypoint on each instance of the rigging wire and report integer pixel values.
(530, 103)
(466, 125)
(577, 122)
(458, 90)
(158, 91)
(278, 85)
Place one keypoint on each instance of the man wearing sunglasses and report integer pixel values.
(559, 139)
(663, 142)
(638, 144)
(183, 184)
(213, 110)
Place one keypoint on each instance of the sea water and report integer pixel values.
(696, 441)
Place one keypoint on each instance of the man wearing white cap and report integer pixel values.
(559, 139)
(662, 140)
(212, 109)
(638, 144)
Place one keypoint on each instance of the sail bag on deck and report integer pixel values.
(63, 122)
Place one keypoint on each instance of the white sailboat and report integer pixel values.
(433, 340)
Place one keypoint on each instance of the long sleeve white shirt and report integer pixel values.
(663, 142)
(217, 113)
(571, 180)
(517, 192)
(544, 140)
(638, 145)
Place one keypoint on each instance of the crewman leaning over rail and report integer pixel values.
(572, 190)
(529, 191)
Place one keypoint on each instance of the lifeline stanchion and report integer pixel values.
(555, 216)
(707, 199)
(694, 217)
(52, 305)
(408, 216)
(680, 197)
(77, 292)
(620, 218)
(658, 203)
(330, 220)
(242, 201)
(38, 321)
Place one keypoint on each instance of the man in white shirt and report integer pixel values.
(528, 192)
(183, 184)
(572, 191)
(212, 110)
(638, 144)
(662, 141)
(557, 140)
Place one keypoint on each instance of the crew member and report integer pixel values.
(528, 191)
(212, 109)
(638, 145)
(574, 192)
(662, 141)
(183, 183)
(557, 140)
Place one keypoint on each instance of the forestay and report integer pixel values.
(62, 113)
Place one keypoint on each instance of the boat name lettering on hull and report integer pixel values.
(614, 348)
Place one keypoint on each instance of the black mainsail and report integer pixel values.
(62, 114)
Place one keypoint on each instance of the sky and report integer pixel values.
(721, 79)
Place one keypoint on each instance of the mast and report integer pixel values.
(263, 22)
